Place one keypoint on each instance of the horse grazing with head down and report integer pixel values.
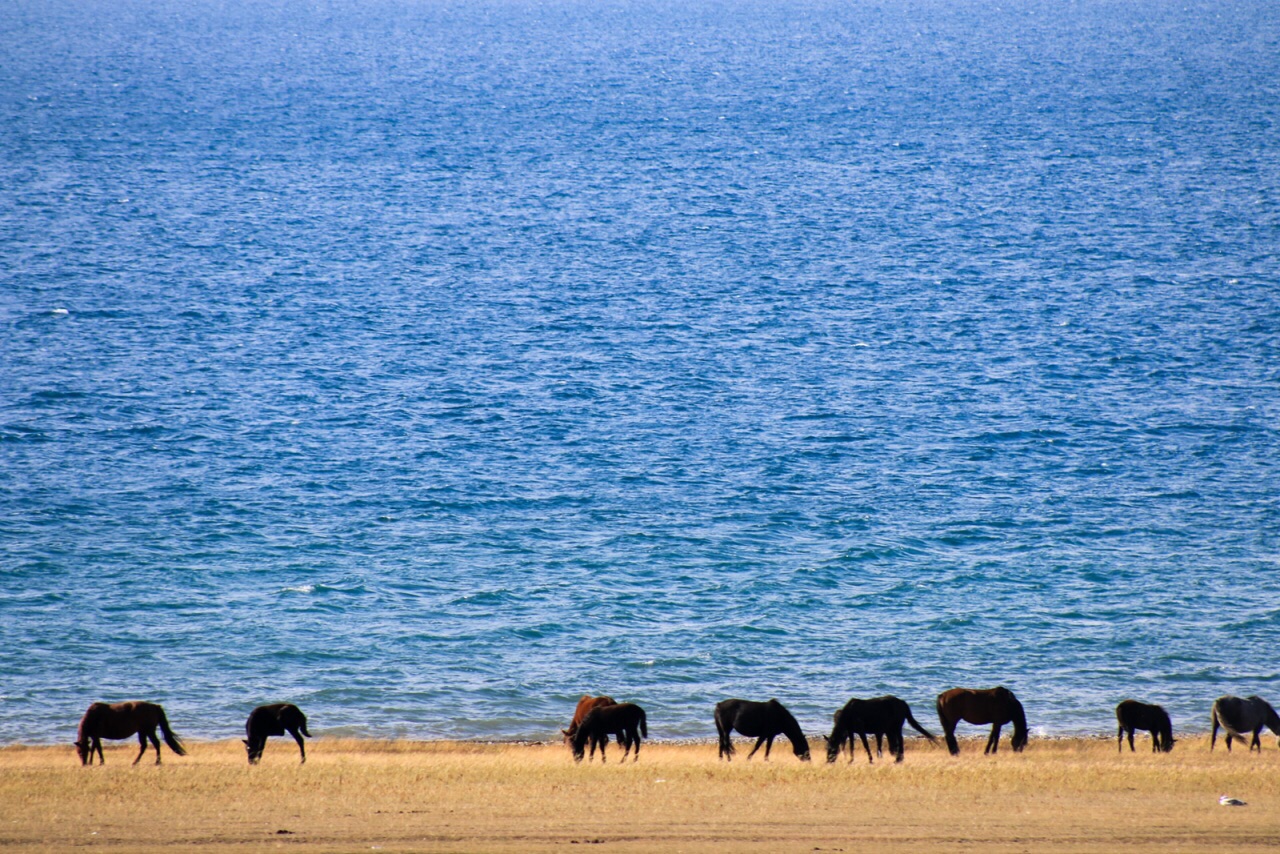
(627, 721)
(1239, 716)
(1132, 715)
(880, 716)
(995, 706)
(761, 721)
(275, 719)
(121, 720)
(584, 708)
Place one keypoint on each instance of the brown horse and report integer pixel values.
(584, 708)
(761, 721)
(275, 719)
(995, 706)
(627, 721)
(121, 720)
(1132, 715)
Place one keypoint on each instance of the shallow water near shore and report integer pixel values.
(429, 365)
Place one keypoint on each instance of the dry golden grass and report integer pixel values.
(1069, 795)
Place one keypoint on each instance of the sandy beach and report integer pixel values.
(366, 795)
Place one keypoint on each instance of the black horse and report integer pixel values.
(880, 716)
(1239, 716)
(627, 721)
(274, 720)
(1131, 715)
(761, 721)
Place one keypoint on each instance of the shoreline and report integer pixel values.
(1059, 795)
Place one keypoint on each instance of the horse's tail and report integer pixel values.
(933, 739)
(644, 724)
(723, 730)
(302, 724)
(169, 738)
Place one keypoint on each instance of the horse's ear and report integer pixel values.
(246, 742)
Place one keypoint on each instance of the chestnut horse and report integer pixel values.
(275, 719)
(880, 716)
(121, 720)
(1131, 715)
(1239, 716)
(995, 706)
(627, 721)
(584, 708)
(761, 721)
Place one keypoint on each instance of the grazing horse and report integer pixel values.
(1239, 716)
(1131, 715)
(995, 706)
(121, 720)
(625, 720)
(761, 721)
(584, 708)
(274, 720)
(881, 716)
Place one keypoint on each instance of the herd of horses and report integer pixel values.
(597, 719)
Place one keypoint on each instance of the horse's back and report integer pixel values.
(120, 720)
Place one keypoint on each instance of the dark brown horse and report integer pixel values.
(585, 705)
(121, 720)
(1132, 715)
(761, 721)
(275, 719)
(627, 721)
(880, 716)
(995, 706)
(1239, 716)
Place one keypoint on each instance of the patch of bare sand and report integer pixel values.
(1075, 795)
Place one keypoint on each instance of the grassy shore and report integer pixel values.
(357, 795)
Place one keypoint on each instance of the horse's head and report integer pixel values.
(834, 743)
(82, 749)
(578, 741)
(802, 753)
(1018, 716)
(255, 753)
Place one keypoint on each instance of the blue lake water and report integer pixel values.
(429, 364)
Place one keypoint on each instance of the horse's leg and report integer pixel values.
(142, 742)
(759, 742)
(896, 742)
(97, 745)
(1257, 741)
(297, 736)
(865, 746)
(156, 741)
(635, 737)
(1131, 748)
(1155, 740)
(993, 743)
(768, 745)
(1213, 737)
(1120, 738)
(949, 735)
